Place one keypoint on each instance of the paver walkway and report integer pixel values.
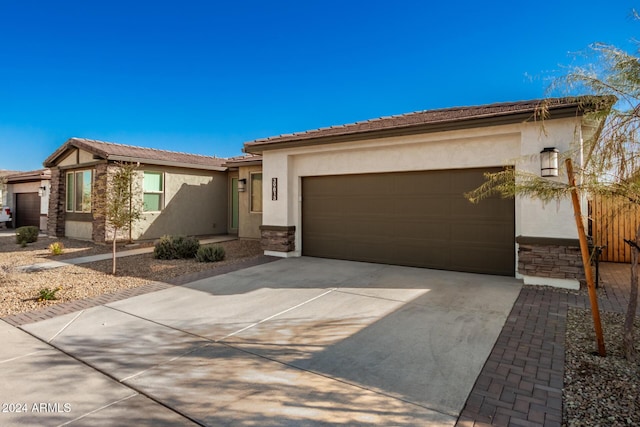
(521, 382)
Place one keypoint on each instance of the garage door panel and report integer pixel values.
(365, 206)
(27, 211)
(409, 218)
(431, 206)
(325, 206)
(495, 208)
(368, 228)
(482, 233)
(473, 260)
(327, 226)
(409, 184)
(423, 230)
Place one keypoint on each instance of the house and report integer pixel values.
(180, 193)
(27, 195)
(390, 190)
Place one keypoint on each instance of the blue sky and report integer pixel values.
(206, 76)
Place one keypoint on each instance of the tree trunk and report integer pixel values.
(115, 234)
(628, 343)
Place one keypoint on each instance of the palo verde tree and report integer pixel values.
(121, 210)
(611, 163)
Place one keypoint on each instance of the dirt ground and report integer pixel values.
(19, 291)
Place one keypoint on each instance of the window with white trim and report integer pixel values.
(153, 187)
(256, 192)
(79, 191)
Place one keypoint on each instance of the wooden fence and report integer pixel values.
(609, 225)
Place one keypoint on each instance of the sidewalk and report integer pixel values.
(101, 257)
(522, 380)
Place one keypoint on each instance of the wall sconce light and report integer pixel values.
(242, 185)
(42, 191)
(549, 162)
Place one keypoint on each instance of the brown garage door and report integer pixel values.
(27, 209)
(416, 219)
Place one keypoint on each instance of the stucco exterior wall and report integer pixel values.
(81, 230)
(195, 203)
(249, 222)
(515, 144)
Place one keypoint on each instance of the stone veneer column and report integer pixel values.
(99, 202)
(278, 238)
(55, 220)
(550, 258)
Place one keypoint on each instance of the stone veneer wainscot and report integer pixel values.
(550, 258)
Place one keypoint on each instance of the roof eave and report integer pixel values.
(244, 163)
(166, 163)
(432, 127)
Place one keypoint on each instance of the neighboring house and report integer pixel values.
(27, 195)
(181, 194)
(390, 190)
(3, 190)
(245, 195)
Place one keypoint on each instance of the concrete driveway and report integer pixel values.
(302, 341)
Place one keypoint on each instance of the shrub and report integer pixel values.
(56, 248)
(47, 294)
(210, 254)
(5, 274)
(28, 234)
(176, 247)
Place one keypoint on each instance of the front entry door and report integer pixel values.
(234, 207)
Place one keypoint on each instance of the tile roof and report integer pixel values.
(35, 175)
(244, 160)
(121, 152)
(439, 119)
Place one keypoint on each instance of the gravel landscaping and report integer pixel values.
(599, 391)
(19, 291)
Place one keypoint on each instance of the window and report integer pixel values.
(256, 192)
(79, 191)
(153, 197)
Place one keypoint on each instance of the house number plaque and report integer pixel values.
(274, 188)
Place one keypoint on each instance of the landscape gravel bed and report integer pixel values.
(19, 291)
(13, 254)
(599, 391)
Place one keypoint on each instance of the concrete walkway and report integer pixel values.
(101, 257)
(299, 341)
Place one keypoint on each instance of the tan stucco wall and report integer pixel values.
(249, 222)
(69, 160)
(469, 148)
(195, 203)
(81, 230)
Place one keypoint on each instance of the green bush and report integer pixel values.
(56, 248)
(28, 234)
(210, 254)
(176, 247)
(47, 294)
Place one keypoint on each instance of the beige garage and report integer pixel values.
(416, 219)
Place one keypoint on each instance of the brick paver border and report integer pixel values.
(521, 382)
(73, 306)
